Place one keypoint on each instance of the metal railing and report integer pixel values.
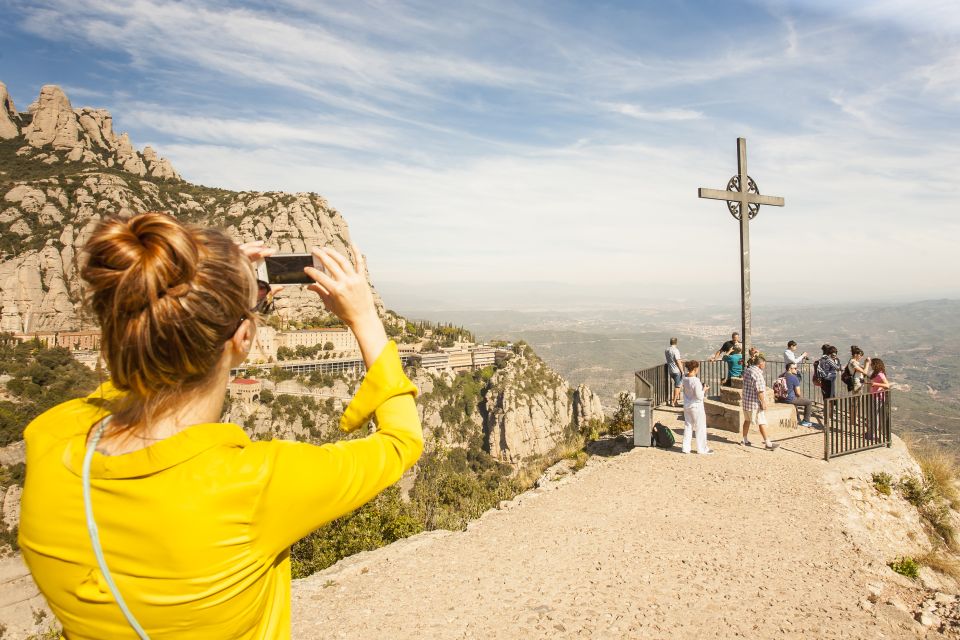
(853, 422)
(856, 423)
(654, 383)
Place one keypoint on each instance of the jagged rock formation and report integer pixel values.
(8, 115)
(54, 132)
(530, 410)
(62, 169)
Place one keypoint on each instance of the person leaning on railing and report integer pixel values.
(142, 514)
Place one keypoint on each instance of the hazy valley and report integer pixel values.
(920, 343)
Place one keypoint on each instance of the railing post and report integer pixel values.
(826, 430)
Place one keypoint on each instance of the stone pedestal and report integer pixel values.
(727, 413)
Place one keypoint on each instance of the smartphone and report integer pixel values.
(287, 268)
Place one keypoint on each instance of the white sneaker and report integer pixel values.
(708, 452)
(746, 443)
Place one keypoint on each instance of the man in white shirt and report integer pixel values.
(790, 356)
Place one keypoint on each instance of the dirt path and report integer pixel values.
(648, 544)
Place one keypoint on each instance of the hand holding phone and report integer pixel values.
(287, 268)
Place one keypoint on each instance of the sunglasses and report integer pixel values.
(264, 298)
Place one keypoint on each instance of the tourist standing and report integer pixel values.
(827, 367)
(694, 415)
(790, 355)
(755, 402)
(727, 347)
(795, 395)
(195, 520)
(879, 385)
(734, 361)
(855, 371)
(878, 378)
(674, 362)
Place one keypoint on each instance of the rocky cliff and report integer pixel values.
(62, 169)
(529, 409)
(518, 411)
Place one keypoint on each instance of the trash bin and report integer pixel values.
(642, 422)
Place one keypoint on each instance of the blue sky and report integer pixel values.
(550, 146)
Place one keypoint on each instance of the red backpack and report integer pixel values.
(780, 390)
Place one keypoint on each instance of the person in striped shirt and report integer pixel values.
(755, 401)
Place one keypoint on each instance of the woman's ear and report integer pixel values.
(242, 340)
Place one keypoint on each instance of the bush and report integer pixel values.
(883, 482)
(916, 491)
(906, 567)
(381, 521)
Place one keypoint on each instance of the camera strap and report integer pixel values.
(95, 536)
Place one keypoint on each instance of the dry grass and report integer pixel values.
(529, 473)
(942, 561)
(940, 469)
(936, 494)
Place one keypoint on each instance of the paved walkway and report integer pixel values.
(648, 544)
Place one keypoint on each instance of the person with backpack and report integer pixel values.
(755, 402)
(827, 368)
(694, 416)
(793, 394)
(674, 362)
(855, 371)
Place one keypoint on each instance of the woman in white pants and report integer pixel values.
(694, 416)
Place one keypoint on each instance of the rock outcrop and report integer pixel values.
(55, 133)
(530, 410)
(64, 169)
(8, 115)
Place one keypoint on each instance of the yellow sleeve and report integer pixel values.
(310, 485)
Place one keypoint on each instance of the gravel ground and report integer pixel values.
(647, 544)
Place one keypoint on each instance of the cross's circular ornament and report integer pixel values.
(752, 208)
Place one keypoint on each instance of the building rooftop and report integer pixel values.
(244, 381)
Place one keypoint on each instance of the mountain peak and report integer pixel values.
(53, 131)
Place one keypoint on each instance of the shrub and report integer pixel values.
(916, 491)
(906, 567)
(883, 482)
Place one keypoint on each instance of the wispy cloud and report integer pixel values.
(661, 115)
(556, 141)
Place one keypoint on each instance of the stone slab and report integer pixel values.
(732, 395)
(781, 418)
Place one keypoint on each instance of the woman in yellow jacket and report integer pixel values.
(193, 521)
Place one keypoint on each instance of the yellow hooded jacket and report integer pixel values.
(196, 529)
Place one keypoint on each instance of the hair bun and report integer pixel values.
(141, 259)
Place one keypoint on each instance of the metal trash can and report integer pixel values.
(642, 422)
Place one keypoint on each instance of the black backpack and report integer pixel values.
(663, 437)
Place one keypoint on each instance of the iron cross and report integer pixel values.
(743, 195)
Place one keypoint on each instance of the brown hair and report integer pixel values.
(877, 367)
(167, 297)
(856, 351)
(691, 365)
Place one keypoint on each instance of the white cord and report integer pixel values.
(95, 536)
